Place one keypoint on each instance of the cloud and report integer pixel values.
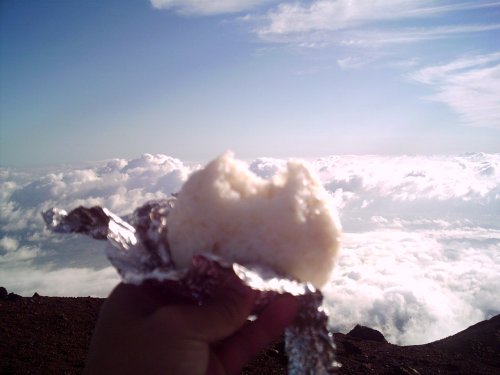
(266, 167)
(64, 282)
(400, 281)
(290, 18)
(370, 38)
(330, 15)
(354, 62)
(469, 86)
(201, 7)
(320, 14)
(8, 244)
(421, 245)
(11, 252)
(435, 74)
(114, 185)
(364, 24)
(32, 259)
(408, 181)
(453, 7)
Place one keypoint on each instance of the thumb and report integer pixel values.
(222, 316)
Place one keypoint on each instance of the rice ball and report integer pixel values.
(288, 223)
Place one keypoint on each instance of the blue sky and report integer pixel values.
(92, 80)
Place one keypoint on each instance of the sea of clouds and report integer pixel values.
(421, 247)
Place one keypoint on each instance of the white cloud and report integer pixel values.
(23, 253)
(322, 13)
(421, 249)
(354, 62)
(366, 26)
(116, 185)
(266, 167)
(469, 86)
(12, 253)
(329, 15)
(370, 38)
(31, 259)
(422, 243)
(295, 17)
(435, 74)
(400, 281)
(453, 7)
(203, 7)
(8, 244)
(64, 282)
(410, 182)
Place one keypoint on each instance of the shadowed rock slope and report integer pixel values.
(51, 335)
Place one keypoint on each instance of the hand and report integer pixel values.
(143, 331)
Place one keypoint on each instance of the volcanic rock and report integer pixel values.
(13, 297)
(3, 293)
(51, 335)
(366, 333)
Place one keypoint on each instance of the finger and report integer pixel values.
(236, 351)
(134, 300)
(225, 314)
(144, 299)
(126, 301)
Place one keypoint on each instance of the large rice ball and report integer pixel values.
(288, 223)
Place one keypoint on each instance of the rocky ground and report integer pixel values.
(50, 335)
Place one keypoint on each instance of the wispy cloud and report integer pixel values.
(203, 7)
(331, 15)
(354, 62)
(342, 14)
(375, 38)
(435, 74)
(454, 7)
(358, 23)
(469, 86)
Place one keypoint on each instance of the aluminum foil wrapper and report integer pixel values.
(139, 250)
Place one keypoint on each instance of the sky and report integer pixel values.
(94, 80)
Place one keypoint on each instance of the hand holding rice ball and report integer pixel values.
(288, 223)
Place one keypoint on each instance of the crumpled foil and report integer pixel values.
(139, 250)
